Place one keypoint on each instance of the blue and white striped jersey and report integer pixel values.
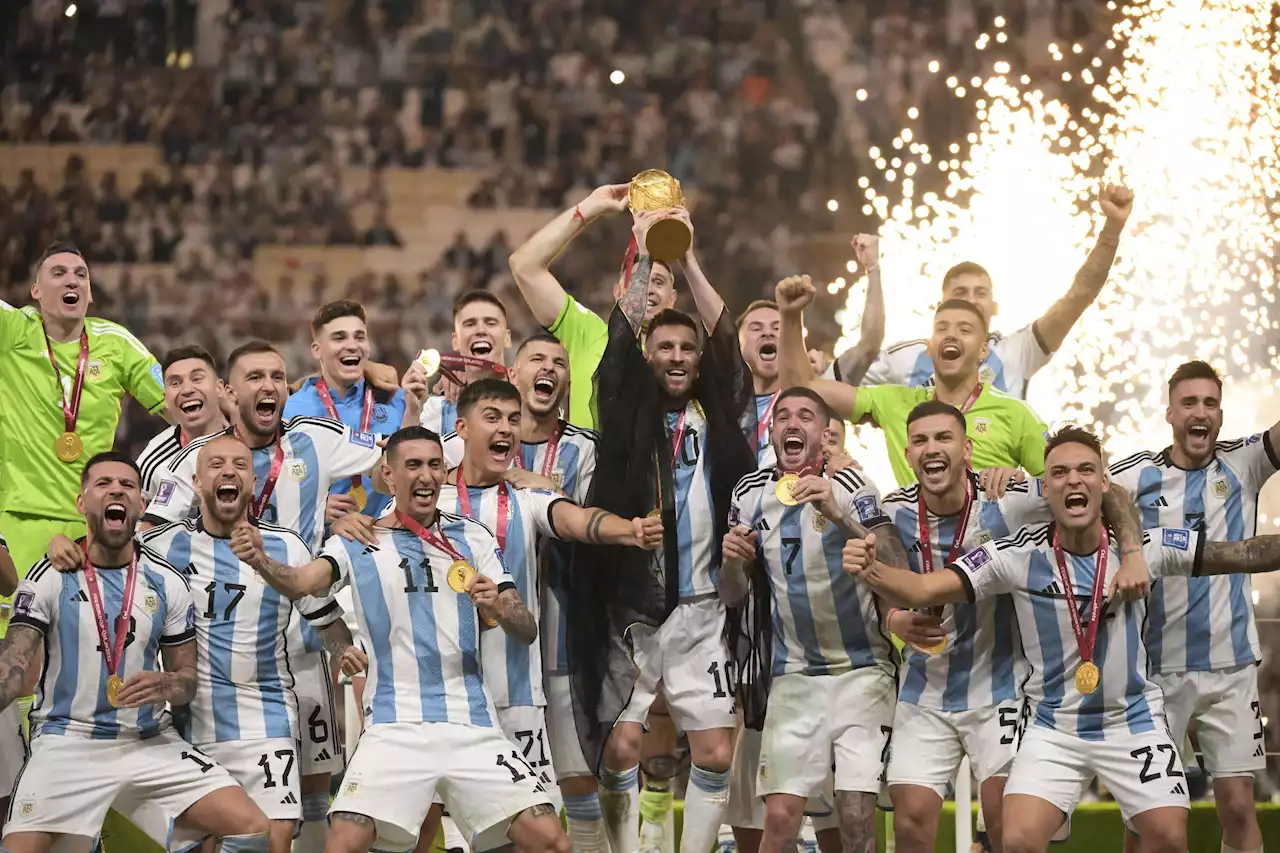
(695, 510)
(318, 452)
(824, 621)
(1023, 565)
(243, 646)
(982, 664)
(512, 670)
(439, 415)
(766, 456)
(422, 638)
(1011, 362)
(71, 698)
(157, 456)
(1200, 624)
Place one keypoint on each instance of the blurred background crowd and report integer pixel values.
(226, 165)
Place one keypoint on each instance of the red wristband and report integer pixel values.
(577, 214)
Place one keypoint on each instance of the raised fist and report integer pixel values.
(794, 293)
(1116, 202)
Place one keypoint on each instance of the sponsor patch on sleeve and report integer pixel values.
(868, 508)
(497, 552)
(361, 439)
(23, 601)
(191, 616)
(1180, 539)
(735, 515)
(157, 374)
(164, 493)
(1253, 439)
(976, 559)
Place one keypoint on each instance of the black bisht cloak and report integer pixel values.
(610, 587)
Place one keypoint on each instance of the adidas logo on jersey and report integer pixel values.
(1054, 588)
(323, 755)
(80, 596)
(1258, 752)
(1160, 501)
(1178, 789)
(289, 800)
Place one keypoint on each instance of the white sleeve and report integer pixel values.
(988, 570)
(540, 503)
(1022, 354)
(1024, 505)
(175, 498)
(879, 373)
(36, 601)
(1173, 552)
(321, 609)
(429, 417)
(335, 552)
(180, 612)
(453, 448)
(586, 473)
(859, 498)
(489, 561)
(1255, 460)
(345, 453)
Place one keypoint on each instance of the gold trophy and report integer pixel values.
(653, 189)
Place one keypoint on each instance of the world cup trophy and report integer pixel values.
(653, 189)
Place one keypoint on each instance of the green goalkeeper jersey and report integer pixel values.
(33, 481)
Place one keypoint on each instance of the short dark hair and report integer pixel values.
(109, 456)
(410, 433)
(1072, 434)
(467, 297)
(1194, 370)
(755, 305)
(58, 247)
(672, 317)
(963, 268)
(486, 389)
(331, 311)
(540, 338)
(249, 348)
(961, 305)
(178, 354)
(936, 407)
(810, 395)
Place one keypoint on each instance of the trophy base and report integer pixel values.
(668, 239)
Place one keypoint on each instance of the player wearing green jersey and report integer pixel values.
(582, 331)
(1006, 433)
(63, 375)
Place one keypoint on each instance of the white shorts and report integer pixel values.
(687, 659)
(928, 744)
(317, 721)
(562, 729)
(526, 727)
(69, 783)
(398, 768)
(1228, 718)
(1142, 771)
(813, 720)
(13, 747)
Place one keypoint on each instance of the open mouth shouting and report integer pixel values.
(769, 352)
(115, 516)
(793, 448)
(266, 411)
(935, 466)
(350, 360)
(501, 449)
(544, 389)
(424, 495)
(227, 494)
(950, 351)
(191, 406)
(71, 298)
(1198, 434)
(482, 348)
(1076, 503)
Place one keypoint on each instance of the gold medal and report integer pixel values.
(489, 621)
(430, 361)
(460, 574)
(786, 485)
(654, 513)
(1087, 677)
(360, 497)
(68, 447)
(114, 683)
(936, 649)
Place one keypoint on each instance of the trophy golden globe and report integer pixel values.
(653, 189)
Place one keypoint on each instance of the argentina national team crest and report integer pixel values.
(981, 425)
(820, 522)
(150, 603)
(1220, 488)
(298, 470)
(93, 371)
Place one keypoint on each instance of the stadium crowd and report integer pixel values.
(261, 120)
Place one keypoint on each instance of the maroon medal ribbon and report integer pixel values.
(366, 413)
(112, 653)
(263, 499)
(71, 402)
(431, 537)
(464, 503)
(549, 460)
(968, 404)
(1085, 642)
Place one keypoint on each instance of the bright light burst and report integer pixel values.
(1188, 119)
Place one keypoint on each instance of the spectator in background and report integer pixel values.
(381, 232)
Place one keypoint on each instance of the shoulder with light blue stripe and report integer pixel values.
(754, 480)
(569, 430)
(283, 533)
(1026, 537)
(163, 531)
(162, 564)
(907, 495)
(39, 570)
(196, 444)
(303, 421)
(465, 521)
(1145, 457)
(898, 347)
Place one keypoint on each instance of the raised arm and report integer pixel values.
(1051, 329)
(901, 587)
(599, 527)
(20, 655)
(1250, 556)
(530, 264)
(710, 305)
(856, 359)
(793, 294)
(293, 582)
(1133, 580)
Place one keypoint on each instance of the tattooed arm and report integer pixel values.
(20, 655)
(1133, 580)
(1052, 328)
(600, 527)
(176, 684)
(290, 581)
(1251, 556)
(337, 640)
(514, 617)
(854, 362)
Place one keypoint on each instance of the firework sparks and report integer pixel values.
(1187, 118)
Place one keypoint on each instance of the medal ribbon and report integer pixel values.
(260, 502)
(464, 503)
(549, 460)
(71, 404)
(763, 426)
(1085, 643)
(366, 413)
(968, 404)
(962, 527)
(431, 537)
(112, 653)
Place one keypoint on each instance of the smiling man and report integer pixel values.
(64, 375)
(193, 396)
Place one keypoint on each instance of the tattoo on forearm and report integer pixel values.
(1119, 509)
(1259, 554)
(353, 817)
(889, 548)
(1092, 275)
(635, 299)
(180, 686)
(516, 619)
(857, 812)
(591, 534)
(542, 810)
(336, 637)
(17, 654)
